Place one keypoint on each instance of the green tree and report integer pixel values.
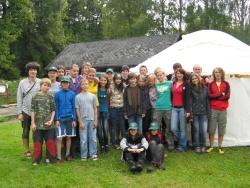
(43, 39)
(126, 18)
(14, 16)
(83, 21)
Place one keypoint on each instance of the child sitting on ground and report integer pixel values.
(155, 153)
(134, 146)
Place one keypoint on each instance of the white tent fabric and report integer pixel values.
(211, 49)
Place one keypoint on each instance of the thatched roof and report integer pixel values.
(114, 53)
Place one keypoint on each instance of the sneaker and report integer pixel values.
(203, 150)
(221, 151)
(150, 168)
(84, 159)
(27, 155)
(210, 149)
(68, 158)
(47, 161)
(197, 150)
(34, 163)
(94, 158)
(162, 166)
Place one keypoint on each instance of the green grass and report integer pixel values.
(183, 169)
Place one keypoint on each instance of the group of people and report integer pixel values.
(136, 113)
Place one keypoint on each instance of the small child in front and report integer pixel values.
(42, 122)
(134, 147)
(86, 110)
(155, 152)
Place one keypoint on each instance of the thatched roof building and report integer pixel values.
(114, 53)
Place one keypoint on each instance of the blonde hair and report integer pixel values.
(92, 70)
(158, 69)
(45, 81)
(83, 81)
(221, 71)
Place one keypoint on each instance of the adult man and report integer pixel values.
(124, 73)
(27, 88)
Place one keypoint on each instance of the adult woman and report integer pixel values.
(181, 108)
(199, 111)
(219, 94)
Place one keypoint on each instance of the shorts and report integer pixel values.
(66, 129)
(26, 125)
(218, 118)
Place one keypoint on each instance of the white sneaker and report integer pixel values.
(94, 158)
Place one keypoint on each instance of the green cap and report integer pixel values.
(132, 125)
(52, 69)
(154, 126)
(109, 70)
(65, 79)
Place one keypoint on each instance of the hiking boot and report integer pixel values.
(106, 148)
(139, 166)
(221, 151)
(27, 155)
(210, 149)
(58, 161)
(150, 168)
(132, 166)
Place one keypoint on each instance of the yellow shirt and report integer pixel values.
(93, 88)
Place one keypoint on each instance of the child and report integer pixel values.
(65, 117)
(134, 146)
(85, 69)
(163, 105)
(155, 153)
(61, 72)
(55, 86)
(102, 129)
(142, 83)
(86, 109)
(134, 102)
(42, 122)
(116, 109)
(199, 111)
(152, 94)
(27, 88)
(75, 79)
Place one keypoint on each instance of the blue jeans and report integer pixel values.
(179, 127)
(138, 119)
(102, 129)
(116, 116)
(88, 139)
(200, 130)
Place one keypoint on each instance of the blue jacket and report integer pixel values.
(65, 104)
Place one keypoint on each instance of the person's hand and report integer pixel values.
(81, 126)
(187, 115)
(132, 150)
(48, 123)
(57, 124)
(143, 115)
(140, 150)
(33, 127)
(73, 124)
(126, 116)
(20, 117)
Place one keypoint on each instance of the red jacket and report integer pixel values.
(219, 96)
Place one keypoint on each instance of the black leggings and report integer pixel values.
(26, 125)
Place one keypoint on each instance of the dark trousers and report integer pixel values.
(155, 152)
(136, 157)
(49, 137)
(26, 125)
(146, 121)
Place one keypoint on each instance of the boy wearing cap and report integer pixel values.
(134, 107)
(155, 153)
(134, 146)
(27, 88)
(109, 73)
(55, 86)
(65, 117)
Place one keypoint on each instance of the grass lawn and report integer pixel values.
(183, 169)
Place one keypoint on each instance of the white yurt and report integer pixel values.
(210, 49)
